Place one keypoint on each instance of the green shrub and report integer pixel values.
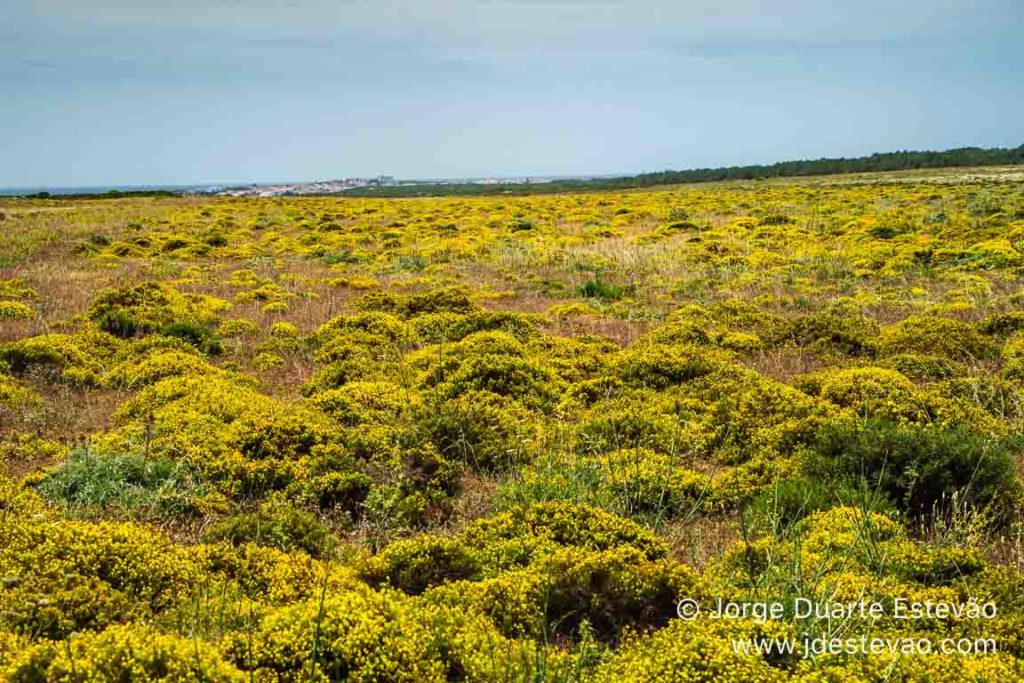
(633, 482)
(199, 336)
(597, 288)
(790, 500)
(275, 526)
(1002, 324)
(919, 469)
(775, 219)
(118, 323)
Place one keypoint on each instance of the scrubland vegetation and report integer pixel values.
(499, 438)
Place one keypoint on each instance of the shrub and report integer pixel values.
(359, 635)
(576, 359)
(15, 288)
(267, 361)
(275, 526)
(658, 367)
(597, 288)
(641, 419)
(747, 416)
(868, 391)
(71, 357)
(149, 306)
(66, 575)
(1002, 398)
(280, 432)
(684, 651)
(15, 310)
(775, 219)
(199, 336)
(513, 538)
(275, 307)
(367, 329)
(921, 468)
(887, 394)
(124, 653)
(359, 403)
(11, 394)
(1003, 324)
(445, 300)
(609, 590)
(283, 330)
(156, 366)
(433, 328)
(238, 327)
(415, 565)
(632, 482)
(832, 332)
(736, 314)
(935, 336)
(923, 367)
(642, 481)
(792, 499)
(118, 323)
(680, 332)
(481, 429)
(521, 379)
(1013, 357)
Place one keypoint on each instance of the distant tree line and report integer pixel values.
(108, 194)
(886, 161)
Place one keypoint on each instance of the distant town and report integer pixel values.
(340, 185)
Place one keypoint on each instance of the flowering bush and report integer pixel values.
(498, 437)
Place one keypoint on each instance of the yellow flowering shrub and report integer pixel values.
(938, 336)
(70, 357)
(238, 327)
(497, 437)
(16, 310)
(63, 576)
(129, 652)
(149, 306)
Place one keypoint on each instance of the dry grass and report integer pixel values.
(702, 541)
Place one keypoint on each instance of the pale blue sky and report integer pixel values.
(126, 92)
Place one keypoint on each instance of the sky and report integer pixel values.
(122, 92)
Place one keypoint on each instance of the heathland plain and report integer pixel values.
(508, 438)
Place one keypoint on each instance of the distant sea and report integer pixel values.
(101, 189)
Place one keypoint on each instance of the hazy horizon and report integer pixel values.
(109, 93)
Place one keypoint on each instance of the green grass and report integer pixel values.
(88, 484)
